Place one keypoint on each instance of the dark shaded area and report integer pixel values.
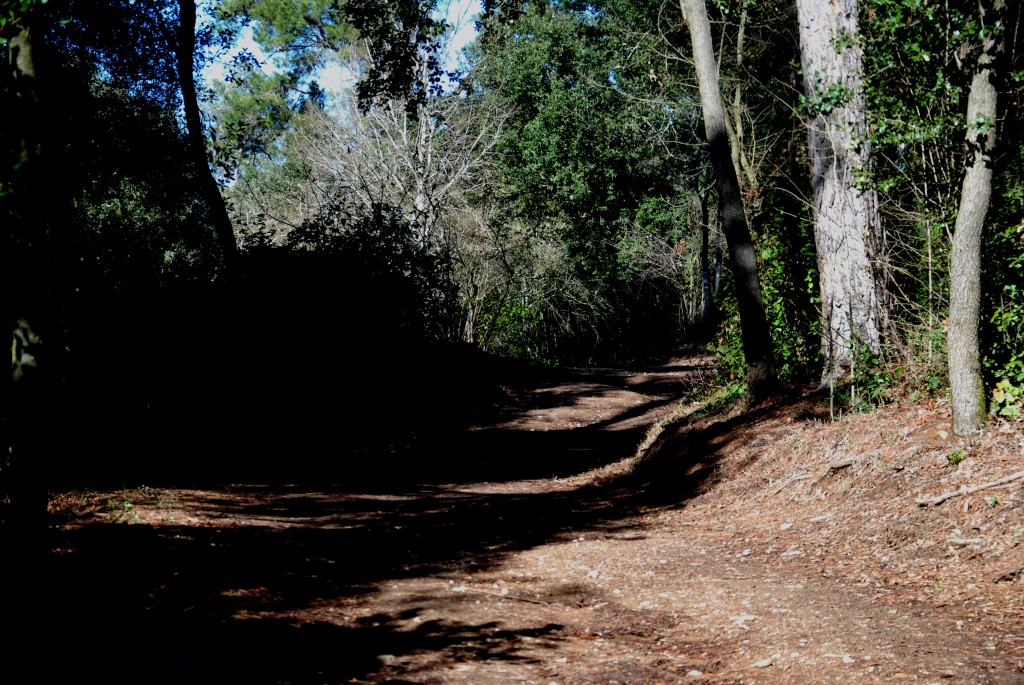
(308, 367)
(183, 603)
(264, 378)
(208, 603)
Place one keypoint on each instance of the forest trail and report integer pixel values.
(738, 554)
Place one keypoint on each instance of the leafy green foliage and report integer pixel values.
(578, 162)
(873, 382)
(916, 92)
(128, 203)
(728, 346)
(828, 99)
(252, 114)
(925, 368)
(401, 35)
(13, 13)
(790, 288)
(1005, 361)
(579, 153)
(1003, 263)
(1008, 397)
(917, 57)
(141, 219)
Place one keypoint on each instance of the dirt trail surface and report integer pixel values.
(763, 546)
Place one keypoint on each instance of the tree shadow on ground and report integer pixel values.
(252, 602)
(261, 588)
(683, 460)
(193, 645)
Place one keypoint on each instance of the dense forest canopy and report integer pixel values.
(558, 194)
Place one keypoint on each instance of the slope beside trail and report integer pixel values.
(767, 546)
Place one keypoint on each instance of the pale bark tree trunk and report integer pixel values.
(757, 343)
(850, 242)
(421, 202)
(424, 140)
(965, 255)
(186, 44)
(745, 171)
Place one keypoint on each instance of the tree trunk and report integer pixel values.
(196, 141)
(965, 255)
(705, 261)
(31, 214)
(848, 233)
(30, 286)
(734, 123)
(710, 289)
(757, 343)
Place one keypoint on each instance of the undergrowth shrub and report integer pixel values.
(873, 381)
(924, 367)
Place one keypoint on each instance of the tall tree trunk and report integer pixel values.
(965, 255)
(30, 210)
(757, 342)
(196, 140)
(852, 259)
(30, 288)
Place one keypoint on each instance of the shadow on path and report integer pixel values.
(241, 584)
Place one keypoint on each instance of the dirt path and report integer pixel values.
(536, 559)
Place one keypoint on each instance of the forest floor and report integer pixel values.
(762, 545)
